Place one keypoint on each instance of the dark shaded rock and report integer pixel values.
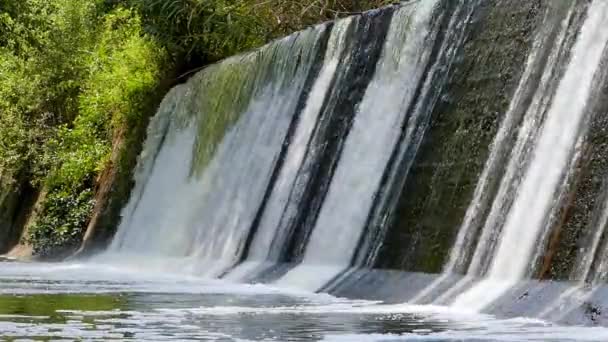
(444, 175)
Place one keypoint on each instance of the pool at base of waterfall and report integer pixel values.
(100, 302)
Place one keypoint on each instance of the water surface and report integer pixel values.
(100, 302)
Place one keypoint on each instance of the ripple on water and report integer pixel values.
(90, 302)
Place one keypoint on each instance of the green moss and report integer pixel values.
(441, 182)
(80, 78)
(51, 305)
(219, 95)
(581, 211)
(120, 71)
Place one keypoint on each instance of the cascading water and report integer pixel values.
(359, 158)
(556, 146)
(162, 181)
(267, 242)
(279, 201)
(187, 203)
(365, 157)
(290, 164)
(544, 55)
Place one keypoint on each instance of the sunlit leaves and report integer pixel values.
(71, 78)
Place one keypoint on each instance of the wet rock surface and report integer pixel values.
(440, 185)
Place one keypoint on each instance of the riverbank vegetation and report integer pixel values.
(80, 78)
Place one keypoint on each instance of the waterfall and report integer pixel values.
(365, 156)
(188, 203)
(269, 239)
(534, 87)
(307, 132)
(278, 204)
(312, 160)
(556, 146)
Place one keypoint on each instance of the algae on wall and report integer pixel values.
(443, 177)
(581, 219)
(76, 70)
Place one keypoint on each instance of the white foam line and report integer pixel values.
(348, 307)
(429, 289)
(558, 306)
(448, 295)
(507, 335)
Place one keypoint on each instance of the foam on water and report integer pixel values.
(160, 306)
(508, 334)
(41, 278)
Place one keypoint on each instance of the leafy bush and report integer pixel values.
(124, 69)
(208, 30)
(65, 215)
(79, 78)
(71, 78)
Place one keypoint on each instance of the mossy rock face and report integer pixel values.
(581, 212)
(444, 175)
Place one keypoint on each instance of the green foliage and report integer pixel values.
(53, 306)
(127, 60)
(72, 78)
(209, 30)
(42, 53)
(79, 78)
(60, 228)
(124, 69)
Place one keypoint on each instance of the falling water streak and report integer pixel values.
(469, 227)
(555, 147)
(279, 204)
(589, 251)
(553, 221)
(155, 138)
(365, 156)
(204, 215)
(593, 250)
(167, 186)
(527, 134)
(415, 129)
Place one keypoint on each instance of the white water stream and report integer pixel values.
(365, 156)
(556, 145)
